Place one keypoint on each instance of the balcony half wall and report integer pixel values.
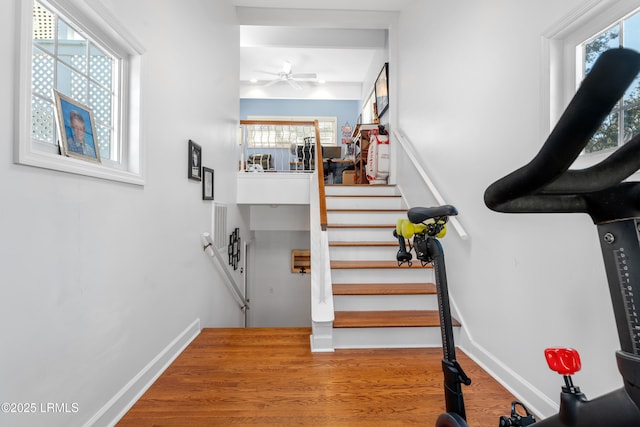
(265, 188)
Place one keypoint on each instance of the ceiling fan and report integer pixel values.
(288, 76)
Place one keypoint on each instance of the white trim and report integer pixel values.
(124, 399)
(322, 308)
(116, 30)
(103, 27)
(534, 399)
(558, 50)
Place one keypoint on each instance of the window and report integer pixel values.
(85, 55)
(284, 136)
(368, 116)
(623, 123)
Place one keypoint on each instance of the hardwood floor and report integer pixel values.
(260, 377)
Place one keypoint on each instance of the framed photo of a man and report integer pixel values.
(76, 128)
(195, 161)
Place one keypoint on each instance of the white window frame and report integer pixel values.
(98, 23)
(368, 115)
(561, 58)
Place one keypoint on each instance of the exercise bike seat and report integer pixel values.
(419, 215)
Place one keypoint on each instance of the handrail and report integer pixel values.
(210, 250)
(320, 169)
(413, 156)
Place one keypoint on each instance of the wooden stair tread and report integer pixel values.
(359, 185)
(356, 196)
(384, 289)
(353, 264)
(388, 319)
(367, 210)
(363, 243)
(389, 226)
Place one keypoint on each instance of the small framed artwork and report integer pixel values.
(234, 248)
(77, 129)
(195, 161)
(207, 183)
(382, 90)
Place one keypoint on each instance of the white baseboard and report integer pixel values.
(536, 401)
(119, 404)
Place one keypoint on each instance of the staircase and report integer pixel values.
(377, 304)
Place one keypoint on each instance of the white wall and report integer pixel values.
(469, 98)
(97, 277)
(331, 91)
(279, 298)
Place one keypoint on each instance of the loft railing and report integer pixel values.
(289, 146)
(278, 146)
(407, 146)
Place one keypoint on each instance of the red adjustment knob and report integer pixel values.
(565, 361)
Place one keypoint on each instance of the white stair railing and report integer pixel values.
(210, 249)
(408, 148)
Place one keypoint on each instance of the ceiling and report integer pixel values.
(335, 55)
(314, 36)
(377, 5)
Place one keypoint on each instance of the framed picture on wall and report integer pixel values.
(78, 136)
(207, 183)
(382, 90)
(194, 161)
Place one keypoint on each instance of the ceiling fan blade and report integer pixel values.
(268, 72)
(272, 82)
(304, 76)
(294, 84)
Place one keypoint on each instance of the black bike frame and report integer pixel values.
(454, 376)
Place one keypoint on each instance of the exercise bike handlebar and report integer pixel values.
(545, 184)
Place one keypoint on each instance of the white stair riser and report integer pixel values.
(390, 337)
(360, 190)
(369, 217)
(384, 302)
(364, 203)
(344, 338)
(385, 253)
(361, 234)
(413, 275)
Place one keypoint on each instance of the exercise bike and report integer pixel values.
(546, 185)
(426, 226)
